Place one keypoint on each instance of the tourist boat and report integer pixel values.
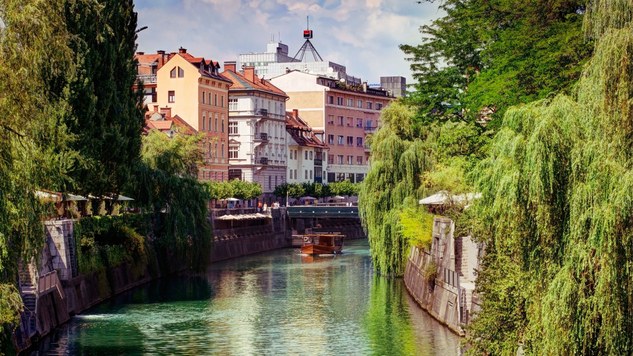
(322, 243)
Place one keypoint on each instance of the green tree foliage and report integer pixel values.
(343, 188)
(234, 189)
(178, 155)
(34, 62)
(395, 174)
(494, 54)
(107, 116)
(556, 211)
(167, 185)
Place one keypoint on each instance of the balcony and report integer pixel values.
(370, 129)
(263, 161)
(147, 78)
(263, 113)
(318, 162)
(367, 148)
(261, 137)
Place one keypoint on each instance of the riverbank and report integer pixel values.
(442, 279)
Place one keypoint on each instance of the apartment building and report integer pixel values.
(257, 129)
(342, 115)
(191, 88)
(305, 151)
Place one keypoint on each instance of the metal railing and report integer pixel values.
(147, 78)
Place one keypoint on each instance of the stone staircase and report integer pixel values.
(29, 298)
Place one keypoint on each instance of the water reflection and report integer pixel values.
(272, 303)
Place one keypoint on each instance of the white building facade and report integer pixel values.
(257, 135)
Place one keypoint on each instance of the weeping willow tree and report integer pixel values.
(34, 62)
(556, 211)
(397, 160)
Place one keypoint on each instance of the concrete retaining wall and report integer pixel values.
(442, 279)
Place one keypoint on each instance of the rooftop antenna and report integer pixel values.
(307, 46)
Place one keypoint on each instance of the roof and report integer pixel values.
(241, 82)
(160, 122)
(207, 68)
(444, 198)
(301, 132)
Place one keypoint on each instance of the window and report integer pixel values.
(340, 120)
(233, 151)
(369, 105)
(209, 101)
(181, 73)
(311, 153)
(359, 122)
(330, 119)
(330, 139)
(310, 174)
(339, 101)
(306, 174)
(330, 99)
(306, 155)
(359, 104)
(359, 160)
(216, 122)
(350, 140)
(340, 140)
(222, 150)
(204, 121)
(222, 100)
(203, 97)
(378, 106)
(350, 122)
(350, 102)
(171, 96)
(222, 122)
(215, 99)
(232, 127)
(172, 73)
(350, 159)
(330, 159)
(359, 142)
(232, 104)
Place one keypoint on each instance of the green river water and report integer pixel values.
(275, 303)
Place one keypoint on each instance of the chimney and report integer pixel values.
(139, 53)
(166, 111)
(365, 87)
(230, 65)
(249, 73)
(182, 50)
(295, 113)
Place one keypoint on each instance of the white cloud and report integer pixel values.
(362, 35)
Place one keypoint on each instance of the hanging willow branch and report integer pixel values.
(557, 212)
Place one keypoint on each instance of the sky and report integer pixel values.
(362, 35)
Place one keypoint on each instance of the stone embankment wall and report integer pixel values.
(56, 291)
(241, 241)
(442, 279)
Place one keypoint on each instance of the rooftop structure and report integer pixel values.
(276, 61)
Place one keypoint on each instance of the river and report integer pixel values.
(275, 303)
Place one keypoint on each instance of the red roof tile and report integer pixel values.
(240, 82)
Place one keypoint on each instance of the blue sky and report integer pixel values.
(363, 35)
